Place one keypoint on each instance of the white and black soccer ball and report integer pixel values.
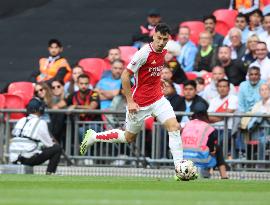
(186, 170)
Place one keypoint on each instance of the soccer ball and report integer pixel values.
(186, 170)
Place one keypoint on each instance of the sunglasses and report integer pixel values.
(40, 90)
(57, 86)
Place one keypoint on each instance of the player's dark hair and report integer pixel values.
(191, 83)
(56, 41)
(210, 17)
(163, 29)
(83, 76)
(224, 80)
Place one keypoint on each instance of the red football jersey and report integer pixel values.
(146, 65)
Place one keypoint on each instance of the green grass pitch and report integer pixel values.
(69, 190)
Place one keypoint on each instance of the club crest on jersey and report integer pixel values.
(154, 62)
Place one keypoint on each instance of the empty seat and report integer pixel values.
(191, 76)
(196, 27)
(94, 68)
(14, 102)
(2, 101)
(127, 53)
(225, 20)
(23, 89)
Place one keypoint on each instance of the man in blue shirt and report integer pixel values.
(109, 85)
(188, 50)
(249, 90)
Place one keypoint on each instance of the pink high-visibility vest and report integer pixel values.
(195, 135)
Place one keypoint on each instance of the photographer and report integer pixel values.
(32, 143)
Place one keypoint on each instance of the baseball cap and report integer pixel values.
(154, 12)
(199, 107)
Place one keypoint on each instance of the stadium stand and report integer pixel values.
(14, 102)
(23, 89)
(196, 27)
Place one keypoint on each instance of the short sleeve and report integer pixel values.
(138, 60)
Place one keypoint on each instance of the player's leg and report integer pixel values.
(133, 127)
(165, 114)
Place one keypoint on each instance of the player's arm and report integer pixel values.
(125, 77)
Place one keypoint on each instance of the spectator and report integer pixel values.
(72, 85)
(170, 93)
(250, 55)
(27, 132)
(188, 101)
(206, 56)
(86, 99)
(265, 36)
(173, 50)
(234, 69)
(57, 125)
(43, 92)
(238, 49)
(261, 107)
(210, 26)
(200, 86)
(166, 74)
(206, 155)
(54, 67)
(249, 90)
(145, 33)
(210, 91)
(241, 23)
(109, 86)
(188, 49)
(262, 61)
(242, 6)
(113, 54)
(255, 17)
(224, 102)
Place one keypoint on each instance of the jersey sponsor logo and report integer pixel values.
(155, 71)
(133, 63)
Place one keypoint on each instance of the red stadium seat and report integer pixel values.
(196, 27)
(14, 102)
(207, 78)
(191, 75)
(23, 89)
(127, 53)
(94, 68)
(2, 101)
(225, 20)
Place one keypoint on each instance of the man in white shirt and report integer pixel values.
(262, 61)
(210, 91)
(32, 143)
(224, 102)
(265, 36)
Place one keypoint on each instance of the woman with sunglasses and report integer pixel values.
(43, 92)
(57, 125)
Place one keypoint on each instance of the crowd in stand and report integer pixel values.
(227, 73)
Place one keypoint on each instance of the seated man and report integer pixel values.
(187, 102)
(145, 33)
(109, 85)
(84, 98)
(210, 91)
(113, 54)
(188, 49)
(54, 67)
(224, 102)
(32, 143)
(206, 154)
(206, 56)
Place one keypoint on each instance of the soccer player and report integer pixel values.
(145, 99)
